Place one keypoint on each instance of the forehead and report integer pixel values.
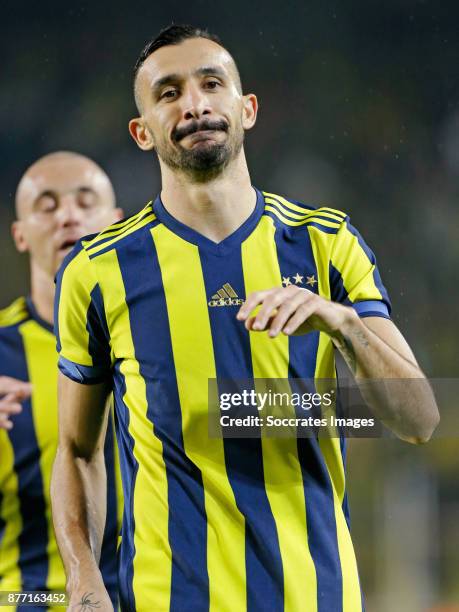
(185, 59)
(61, 176)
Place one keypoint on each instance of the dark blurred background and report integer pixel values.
(358, 111)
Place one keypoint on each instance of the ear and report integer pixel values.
(118, 214)
(19, 237)
(141, 134)
(249, 111)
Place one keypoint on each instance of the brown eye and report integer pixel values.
(46, 203)
(169, 94)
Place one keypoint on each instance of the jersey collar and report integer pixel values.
(217, 248)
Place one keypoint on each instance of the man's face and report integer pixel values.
(192, 107)
(60, 199)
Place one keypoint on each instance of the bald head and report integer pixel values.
(65, 170)
(61, 198)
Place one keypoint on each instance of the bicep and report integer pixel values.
(391, 335)
(83, 413)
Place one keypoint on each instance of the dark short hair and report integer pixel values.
(172, 35)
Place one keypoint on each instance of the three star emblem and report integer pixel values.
(298, 280)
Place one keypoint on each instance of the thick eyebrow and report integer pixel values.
(166, 80)
(210, 71)
(174, 78)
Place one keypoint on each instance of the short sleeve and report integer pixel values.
(354, 276)
(83, 341)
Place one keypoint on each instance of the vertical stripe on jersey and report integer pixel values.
(10, 516)
(194, 364)
(371, 256)
(147, 498)
(331, 450)
(343, 444)
(356, 264)
(32, 540)
(338, 290)
(99, 349)
(69, 312)
(42, 367)
(283, 474)
(187, 527)
(96, 326)
(117, 473)
(244, 459)
(128, 467)
(295, 255)
(107, 562)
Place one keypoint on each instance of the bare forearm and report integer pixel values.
(394, 387)
(78, 491)
(410, 409)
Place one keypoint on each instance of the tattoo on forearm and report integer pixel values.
(86, 605)
(360, 336)
(347, 349)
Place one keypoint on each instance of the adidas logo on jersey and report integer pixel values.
(226, 296)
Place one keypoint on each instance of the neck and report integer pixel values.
(214, 209)
(42, 293)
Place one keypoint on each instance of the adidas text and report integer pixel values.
(226, 302)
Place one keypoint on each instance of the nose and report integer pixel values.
(69, 213)
(195, 103)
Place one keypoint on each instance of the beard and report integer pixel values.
(207, 159)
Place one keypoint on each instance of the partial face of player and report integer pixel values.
(61, 198)
(193, 111)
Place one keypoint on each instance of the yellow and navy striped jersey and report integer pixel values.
(217, 524)
(29, 557)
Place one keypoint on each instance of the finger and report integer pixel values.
(13, 385)
(9, 406)
(268, 309)
(250, 321)
(22, 391)
(301, 316)
(6, 424)
(286, 310)
(252, 301)
(10, 398)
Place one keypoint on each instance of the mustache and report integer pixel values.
(196, 126)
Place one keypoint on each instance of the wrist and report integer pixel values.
(82, 576)
(350, 322)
